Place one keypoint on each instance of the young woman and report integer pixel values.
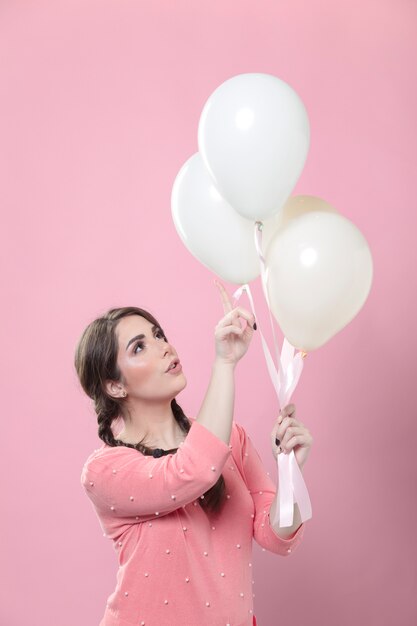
(181, 498)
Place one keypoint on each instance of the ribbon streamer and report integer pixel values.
(284, 377)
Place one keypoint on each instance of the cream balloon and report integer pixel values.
(299, 205)
(319, 273)
(254, 136)
(209, 227)
(294, 207)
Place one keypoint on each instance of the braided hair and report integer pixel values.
(96, 361)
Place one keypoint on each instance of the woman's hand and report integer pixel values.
(232, 341)
(291, 434)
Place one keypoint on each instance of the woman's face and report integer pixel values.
(143, 360)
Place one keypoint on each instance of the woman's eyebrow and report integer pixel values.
(139, 337)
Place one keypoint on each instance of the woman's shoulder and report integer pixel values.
(105, 453)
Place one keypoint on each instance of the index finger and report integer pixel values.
(227, 303)
(288, 410)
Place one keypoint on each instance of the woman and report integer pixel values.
(181, 498)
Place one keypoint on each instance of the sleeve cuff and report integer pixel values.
(295, 537)
(206, 441)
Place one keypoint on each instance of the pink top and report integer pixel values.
(178, 564)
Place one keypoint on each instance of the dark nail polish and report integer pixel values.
(277, 441)
(254, 326)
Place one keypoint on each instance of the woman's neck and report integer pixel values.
(165, 443)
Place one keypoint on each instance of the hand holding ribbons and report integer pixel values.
(290, 434)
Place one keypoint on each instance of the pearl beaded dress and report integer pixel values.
(180, 565)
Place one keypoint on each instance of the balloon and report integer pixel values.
(253, 136)
(209, 227)
(294, 207)
(299, 205)
(318, 274)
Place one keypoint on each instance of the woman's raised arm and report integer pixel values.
(232, 342)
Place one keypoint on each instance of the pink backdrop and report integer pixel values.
(99, 108)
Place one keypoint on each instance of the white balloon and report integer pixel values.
(319, 274)
(211, 230)
(253, 136)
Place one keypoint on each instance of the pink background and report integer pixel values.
(99, 109)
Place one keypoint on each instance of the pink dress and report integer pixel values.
(178, 564)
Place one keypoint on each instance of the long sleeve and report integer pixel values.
(127, 486)
(262, 490)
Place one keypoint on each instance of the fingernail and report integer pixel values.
(254, 326)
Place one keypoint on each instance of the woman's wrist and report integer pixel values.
(220, 364)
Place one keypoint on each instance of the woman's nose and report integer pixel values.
(167, 349)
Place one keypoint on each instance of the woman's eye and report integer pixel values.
(140, 343)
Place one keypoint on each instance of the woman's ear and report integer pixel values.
(114, 389)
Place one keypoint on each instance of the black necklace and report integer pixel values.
(159, 452)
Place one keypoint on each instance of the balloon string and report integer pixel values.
(284, 378)
(276, 372)
(258, 246)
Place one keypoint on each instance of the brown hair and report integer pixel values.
(96, 361)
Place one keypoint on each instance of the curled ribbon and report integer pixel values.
(285, 377)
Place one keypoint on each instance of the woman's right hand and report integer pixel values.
(232, 341)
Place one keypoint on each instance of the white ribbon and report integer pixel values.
(285, 377)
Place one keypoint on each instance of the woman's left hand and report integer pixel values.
(292, 435)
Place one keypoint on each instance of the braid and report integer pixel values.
(180, 416)
(107, 410)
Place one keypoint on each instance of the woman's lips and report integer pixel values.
(176, 369)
